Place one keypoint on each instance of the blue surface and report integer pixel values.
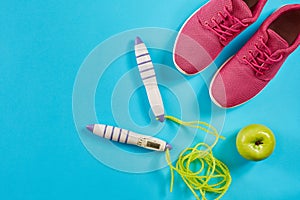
(43, 45)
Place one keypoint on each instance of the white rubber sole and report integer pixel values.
(210, 87)
(211, 82)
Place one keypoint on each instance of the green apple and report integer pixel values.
(255, 142)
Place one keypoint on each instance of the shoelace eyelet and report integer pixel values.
(261, 64)
(223, 30)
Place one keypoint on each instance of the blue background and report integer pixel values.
(42, 46)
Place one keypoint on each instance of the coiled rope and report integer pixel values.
(198, 167)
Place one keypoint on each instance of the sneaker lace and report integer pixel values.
(261, 61)
(225, 30)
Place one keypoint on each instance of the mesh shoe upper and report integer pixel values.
(209, 30)
(251, 69)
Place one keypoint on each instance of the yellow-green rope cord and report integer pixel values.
(212, 176)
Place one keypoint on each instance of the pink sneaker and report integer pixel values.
(210, 29)
(251, 69)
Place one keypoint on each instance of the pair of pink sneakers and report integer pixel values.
(205, 34)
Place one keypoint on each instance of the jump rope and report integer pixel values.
(197, 166)
(211, 175)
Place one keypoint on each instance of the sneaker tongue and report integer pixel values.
(241, 10)
(275, 41)
(238, 8)
(211, 9)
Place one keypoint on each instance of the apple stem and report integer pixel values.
(258, 142)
